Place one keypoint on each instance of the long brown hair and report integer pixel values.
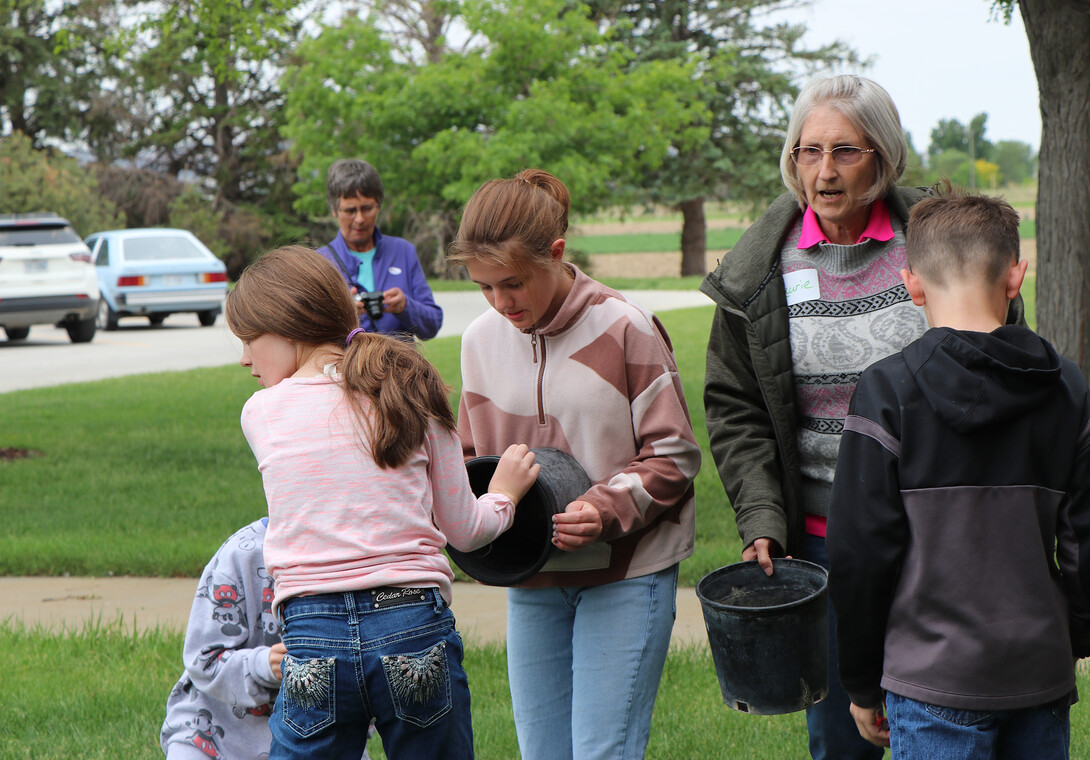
(513, 222)
(297, 294)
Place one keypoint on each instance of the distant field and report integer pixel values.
(651, 242)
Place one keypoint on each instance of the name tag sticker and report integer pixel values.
(801, 285)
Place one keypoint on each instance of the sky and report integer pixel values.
(938, 59)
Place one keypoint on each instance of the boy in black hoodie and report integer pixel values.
(959, 529)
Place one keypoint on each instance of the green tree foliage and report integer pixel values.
(915, 171)
(52, 60)
(199, 85)
(203, 84)
(747, 66)
(47, 180)
(543, 87)
(948, 134)
(951, 134)
(1016, 161)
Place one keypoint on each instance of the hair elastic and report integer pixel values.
(351, 335)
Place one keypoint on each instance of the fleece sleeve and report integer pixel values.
(422, 315)
(866, 535)
(1073, 545)
(660, 476)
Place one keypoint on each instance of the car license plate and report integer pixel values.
(34, 266)
(174, 280)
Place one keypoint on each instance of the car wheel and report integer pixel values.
(82, 331)
(156, 319)
(17, 333)
(207, 318)
(107, 317)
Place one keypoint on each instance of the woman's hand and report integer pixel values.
(515, 472)
(762, 550)
(393, 300)
(579, 525)
(276, 656)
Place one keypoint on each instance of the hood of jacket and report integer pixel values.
(973, 379)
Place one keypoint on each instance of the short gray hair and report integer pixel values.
(349, 177)
(870, 110)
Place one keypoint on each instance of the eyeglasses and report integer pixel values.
(843, 155)
(351, 211)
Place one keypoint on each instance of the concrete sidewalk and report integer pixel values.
(68, 604)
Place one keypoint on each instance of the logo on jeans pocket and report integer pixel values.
(416, 679)
(307, 681)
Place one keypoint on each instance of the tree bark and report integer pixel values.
(694, 237)
(1058, 31)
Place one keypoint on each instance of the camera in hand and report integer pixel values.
(372, 302)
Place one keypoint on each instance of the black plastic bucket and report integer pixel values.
(522, 550)
(769, 635)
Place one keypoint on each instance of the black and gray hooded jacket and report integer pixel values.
(959, 530)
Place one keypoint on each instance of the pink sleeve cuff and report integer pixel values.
(497, 501)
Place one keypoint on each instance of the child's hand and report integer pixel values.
(579, 525)
(515, 472)
(872, 724)
(276, 656)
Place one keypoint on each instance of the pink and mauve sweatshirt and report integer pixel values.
(600, 383)
(337, 521)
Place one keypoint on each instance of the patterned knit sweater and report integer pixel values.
(600, 383)
(859, 313)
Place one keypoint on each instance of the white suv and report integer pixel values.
(46, 277)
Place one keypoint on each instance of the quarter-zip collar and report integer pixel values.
(584, 293)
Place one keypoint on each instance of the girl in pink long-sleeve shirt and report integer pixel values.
(365, 482)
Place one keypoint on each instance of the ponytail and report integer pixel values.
(405, 391)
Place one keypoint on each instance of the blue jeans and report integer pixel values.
(356, 656)
(920, 730)
(833, 733)
(585, 664)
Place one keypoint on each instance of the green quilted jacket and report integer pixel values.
(749, 387)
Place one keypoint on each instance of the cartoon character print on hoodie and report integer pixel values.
(222, 702)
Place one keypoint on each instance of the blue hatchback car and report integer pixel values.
(155, 272)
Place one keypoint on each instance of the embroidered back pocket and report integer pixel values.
(419, 684)
(309, 694)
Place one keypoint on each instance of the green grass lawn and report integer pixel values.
(99, 694)
(146, 475)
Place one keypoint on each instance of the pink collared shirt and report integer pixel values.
(878, 226)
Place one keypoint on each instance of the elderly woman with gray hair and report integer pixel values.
(808, 298)
(382, 271)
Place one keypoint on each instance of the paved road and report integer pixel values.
(48, 358)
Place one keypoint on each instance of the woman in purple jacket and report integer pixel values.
(373, 263)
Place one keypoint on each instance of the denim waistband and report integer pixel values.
(372, 600)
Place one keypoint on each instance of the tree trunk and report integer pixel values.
(694, 237)
(1058, 31)
(228, 181)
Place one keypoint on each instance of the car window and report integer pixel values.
(160, 249)
(102, 257)
(29, 235)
